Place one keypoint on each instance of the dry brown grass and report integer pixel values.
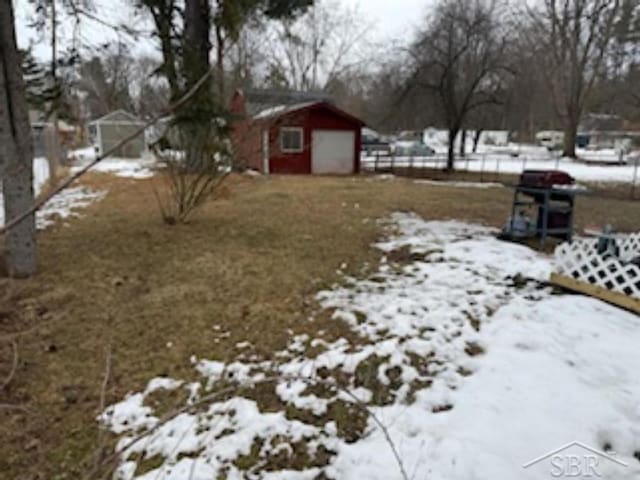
(250, 262)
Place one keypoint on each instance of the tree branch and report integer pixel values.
(70, 180)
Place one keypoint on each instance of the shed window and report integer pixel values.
(291, 140)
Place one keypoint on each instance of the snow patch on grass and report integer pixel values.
(461, 351)
(64, 205)
(138, 168)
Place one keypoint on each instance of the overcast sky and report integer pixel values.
(392, 19)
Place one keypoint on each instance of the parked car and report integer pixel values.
(413, 149)
(375, 146)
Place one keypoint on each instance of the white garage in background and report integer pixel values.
(332, 151)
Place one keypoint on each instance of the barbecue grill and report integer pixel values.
(550, 196)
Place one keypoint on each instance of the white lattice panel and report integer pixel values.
(630, 247)
(581, 261)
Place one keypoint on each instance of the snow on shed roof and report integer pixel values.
(281, 109)
(260, 100)
(117, 116)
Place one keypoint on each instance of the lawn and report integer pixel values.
(117, 286)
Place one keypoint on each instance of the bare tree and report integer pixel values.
(460, 59)
(574, 37)
(165, 15)
(106, 81)
(314, 50)
(149, 89)
(16, 154)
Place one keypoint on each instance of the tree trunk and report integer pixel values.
(196, 44)
(463, 143)
(16, 154)
(570, 135)
(163, 19)
(220, 46)
(451, 152)
(196, 119)
(476, 139)
(53, 153)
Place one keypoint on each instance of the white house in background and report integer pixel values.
(106, 132)
(603, 131)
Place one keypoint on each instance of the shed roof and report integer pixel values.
(280, 110)
(277, 110)
(117, 116)
(257, 101)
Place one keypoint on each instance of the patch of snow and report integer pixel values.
(602, 155)
(557, 371)
(138, 168)
(459, 184)
(384, 176)
(162, 383)
(64, 205)
(474, 368)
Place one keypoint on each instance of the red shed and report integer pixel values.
(302, 135)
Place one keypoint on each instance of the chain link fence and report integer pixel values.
(615, 177)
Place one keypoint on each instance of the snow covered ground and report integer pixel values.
(495, 163)
(64, 205)
(469, 363)
(139, 168)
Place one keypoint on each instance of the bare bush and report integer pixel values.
(192, 171)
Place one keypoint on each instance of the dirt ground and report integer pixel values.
(118, 283)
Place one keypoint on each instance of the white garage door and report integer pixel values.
(332, 151)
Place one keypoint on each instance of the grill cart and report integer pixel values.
(548, 196)
(607, 267)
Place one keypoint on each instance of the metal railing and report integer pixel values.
(502, 167)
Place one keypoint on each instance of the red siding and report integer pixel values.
(248, 138)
